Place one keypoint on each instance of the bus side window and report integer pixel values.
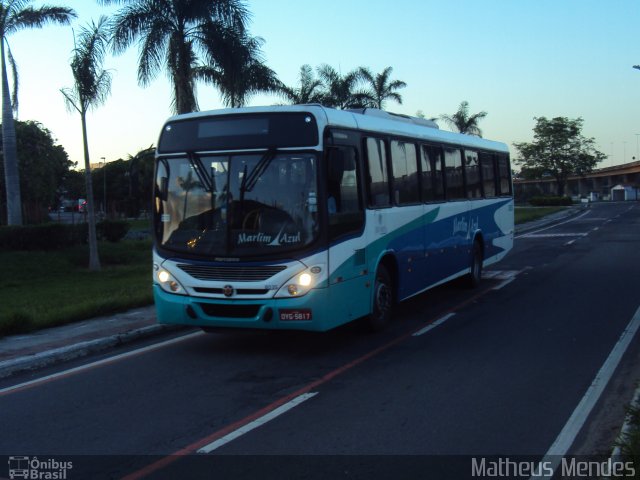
(378, 180)
(504, 175)
(472, 171)
(488, 174)
(436, 158)
(343, 192)
(404, 164)
(454, 174)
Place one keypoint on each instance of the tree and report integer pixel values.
(309, 91)
(43, 166)
(141, 167)
(17, 15)
(171, 33)
(421, 114)
(74, 185)
(188, 184)
(463, 122)
(341, 91)
(236, 66)
(92, 85)
(381, 88)
(559, 149)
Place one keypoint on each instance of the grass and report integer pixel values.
(45, 289)
(629, 442)
(528, 214)
(140, 225)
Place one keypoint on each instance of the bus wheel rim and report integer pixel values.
(383, 298)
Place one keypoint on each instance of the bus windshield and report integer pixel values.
(236, 205)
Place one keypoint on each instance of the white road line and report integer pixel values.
(554, 235)
(553, 226)
(595, 229)
(565, 439)
(570, 242)
(258, 422)
(500, 274)
(433, 325)
(104, 361)
(504, 283)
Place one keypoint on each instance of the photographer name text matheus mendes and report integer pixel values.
(568, 467)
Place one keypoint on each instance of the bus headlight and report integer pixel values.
(167, 282)
(301, 283)
(304, 280)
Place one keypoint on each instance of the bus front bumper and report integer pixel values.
(308, 312)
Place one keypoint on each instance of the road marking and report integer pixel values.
(197, 445)
(524, 235)
(433, 325)
(568, 434)
(500, 274)
(595, 229)
(104, 361)
(570, 242)
(553, 235)
(258, 422)
(504, 283)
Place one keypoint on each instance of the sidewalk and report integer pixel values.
(54, 345)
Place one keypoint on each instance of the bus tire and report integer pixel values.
(382, 308)
(474, 277)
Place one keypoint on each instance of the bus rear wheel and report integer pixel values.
(474, 277)
(382, 300)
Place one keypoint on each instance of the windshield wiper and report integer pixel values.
(203, 176)
(249, 181)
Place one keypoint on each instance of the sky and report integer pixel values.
(515, 59)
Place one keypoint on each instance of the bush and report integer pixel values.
(112, 230)
(48, 236)
(550, 201)
(54, 236)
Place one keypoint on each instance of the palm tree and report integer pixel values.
(463, 122)
(341, 90)
(92, 85)
(17, 15)
(236, 66)
(188, 184)
(309, 90)
(171, 34)
(381, 87)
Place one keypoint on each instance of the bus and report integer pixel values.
(306, 217)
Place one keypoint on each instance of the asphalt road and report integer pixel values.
(503, 371)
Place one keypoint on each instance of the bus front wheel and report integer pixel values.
(382, 300)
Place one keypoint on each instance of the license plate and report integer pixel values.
(293, 315)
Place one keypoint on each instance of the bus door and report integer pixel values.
(347, 244)
(457, 207)
(438, 226)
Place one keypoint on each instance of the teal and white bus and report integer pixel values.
(305, 217)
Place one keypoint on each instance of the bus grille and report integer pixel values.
(231, 274)
(230, 311)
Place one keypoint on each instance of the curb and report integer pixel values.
(81, 349)
(616, 454)
(553, 218)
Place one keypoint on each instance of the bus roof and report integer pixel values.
(369, 119)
